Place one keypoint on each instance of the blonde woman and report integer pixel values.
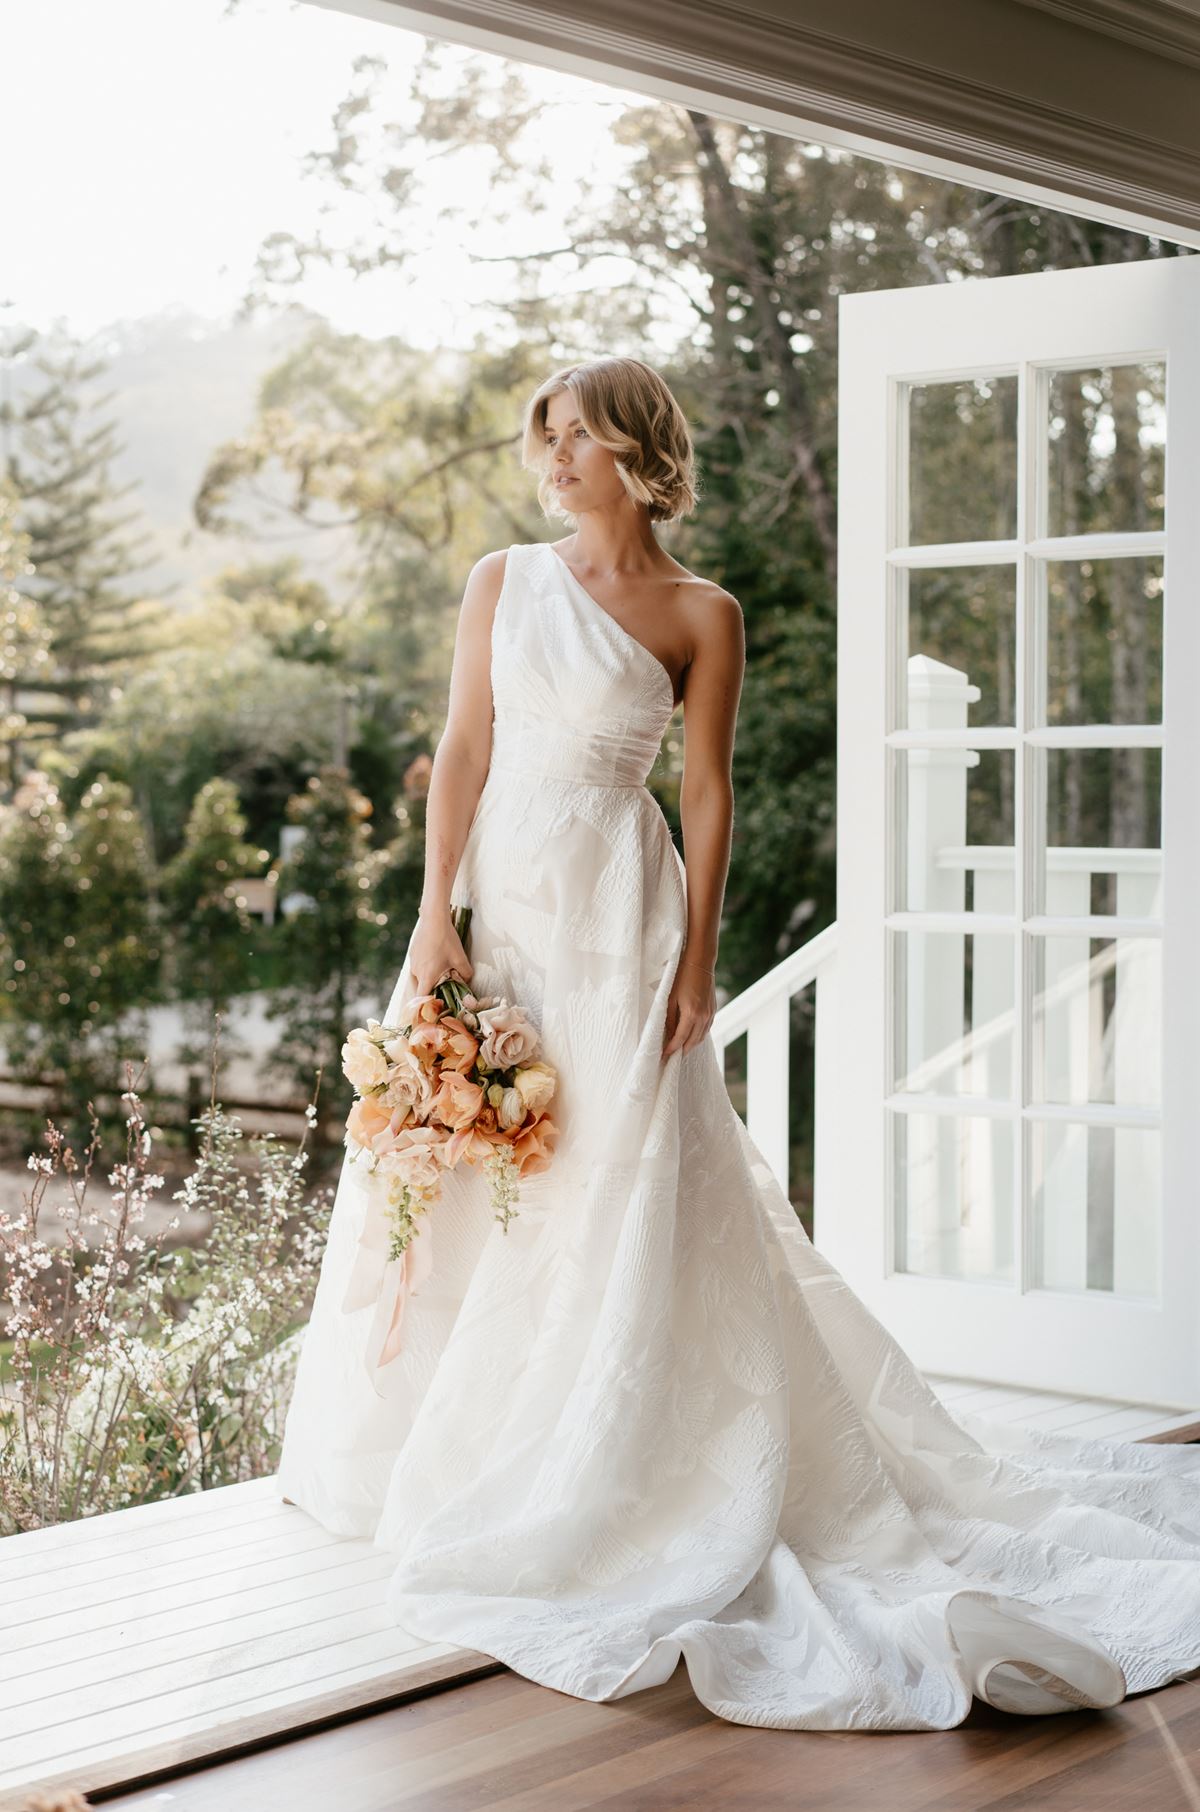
(649, 1421)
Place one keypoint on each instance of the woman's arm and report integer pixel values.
(460, 767)
(711, 697)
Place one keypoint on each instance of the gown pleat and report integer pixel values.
(650, 1420)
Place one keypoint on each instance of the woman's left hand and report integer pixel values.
(691, 1007)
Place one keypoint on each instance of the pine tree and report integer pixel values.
(58, 450)
(24, 638)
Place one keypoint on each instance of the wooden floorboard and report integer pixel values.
(507, 1745)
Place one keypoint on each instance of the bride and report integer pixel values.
(650, 1420)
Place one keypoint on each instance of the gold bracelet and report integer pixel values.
(696, 965)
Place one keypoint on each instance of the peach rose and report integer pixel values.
(457, 1101)
(367, 1119)
(417, 1163)
(424, 1009)
(460, 1046)
(508, 1037)
(532, 1149)
(471, 1144)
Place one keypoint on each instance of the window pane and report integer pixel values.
(955, 818)
(1104, 641)
(1107, 433)
(963, 460)
(958, 647)
(954, 1179)
(1102, 813)
(1097, 1206)
(1098, 1021)
(954, 1013)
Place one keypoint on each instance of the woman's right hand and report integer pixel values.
(437, 952)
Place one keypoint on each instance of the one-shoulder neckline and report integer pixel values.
(608, 615)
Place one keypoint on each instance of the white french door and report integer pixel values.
(1016, 1124)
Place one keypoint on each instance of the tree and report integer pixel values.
(327, 938)
(222, 702)
(24, 636)
(727, 247)
(212, 932)
(57, 463)
(79, 952)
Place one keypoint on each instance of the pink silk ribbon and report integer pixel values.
(387, 1283)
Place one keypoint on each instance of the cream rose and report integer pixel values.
(363, 1063)
(410, 1085)
(511, 1110)
(536, 1084)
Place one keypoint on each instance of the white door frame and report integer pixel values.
(1133, 1348)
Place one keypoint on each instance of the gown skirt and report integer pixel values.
(650, 1420)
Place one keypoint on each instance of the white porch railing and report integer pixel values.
(1090, 1007)
(763, 1012)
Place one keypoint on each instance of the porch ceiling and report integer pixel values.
(1088, 105)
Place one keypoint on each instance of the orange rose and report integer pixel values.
(470, 1146)
(367, 1119)
(533, 1146)
(459, 1046)
(457, 1101)
(424, 1009)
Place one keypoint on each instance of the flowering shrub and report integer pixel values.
(140, 1370)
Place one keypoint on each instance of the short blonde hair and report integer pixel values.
(625, 406)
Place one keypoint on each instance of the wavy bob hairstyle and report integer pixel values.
(626, 407)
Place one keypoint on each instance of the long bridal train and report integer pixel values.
(650, 1420)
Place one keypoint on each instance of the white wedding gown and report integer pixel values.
(650, 1419)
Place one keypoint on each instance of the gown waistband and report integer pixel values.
(546, 748)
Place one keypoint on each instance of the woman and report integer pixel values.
(649, 1419)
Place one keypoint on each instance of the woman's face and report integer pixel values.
(584, 473)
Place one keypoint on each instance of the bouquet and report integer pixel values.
(460, 1080)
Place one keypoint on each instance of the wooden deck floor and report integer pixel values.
(140, 1642)
(506, 1745)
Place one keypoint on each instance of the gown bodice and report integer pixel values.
(575, 696)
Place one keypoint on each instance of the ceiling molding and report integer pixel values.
(1157, 25)
(792, 75)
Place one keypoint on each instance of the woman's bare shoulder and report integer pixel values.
(489, 569)
(715, 616)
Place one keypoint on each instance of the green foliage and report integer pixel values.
(225, 705)
(399, 879)
(329, 933)
(78, 945)
(212, 932)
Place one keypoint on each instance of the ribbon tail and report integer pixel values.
(408, 1273)
(370, 1264)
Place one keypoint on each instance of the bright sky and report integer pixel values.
(162, 140)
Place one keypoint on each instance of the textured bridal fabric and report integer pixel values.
(651, 1420)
